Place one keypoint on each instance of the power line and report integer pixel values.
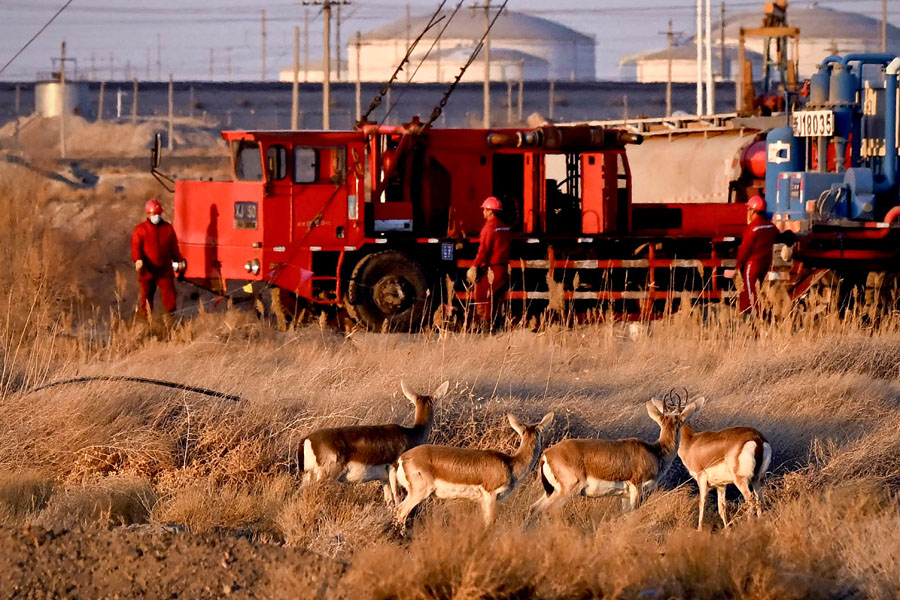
(35, 36)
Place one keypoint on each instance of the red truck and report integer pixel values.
(382, 221)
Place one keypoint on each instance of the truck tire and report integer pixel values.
(387, 289)
(286, 308)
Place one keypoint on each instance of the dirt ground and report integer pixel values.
(148, 562)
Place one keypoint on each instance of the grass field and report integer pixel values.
(824, 391)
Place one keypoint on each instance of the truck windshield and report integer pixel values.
(247, 161)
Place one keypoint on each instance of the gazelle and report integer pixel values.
(368, 452)
(485, 475)
(629, 467)
(738, 455)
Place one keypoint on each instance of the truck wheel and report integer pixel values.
(287, 308)
(387, 288)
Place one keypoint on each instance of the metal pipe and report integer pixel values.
(890, 128)
(868, 59)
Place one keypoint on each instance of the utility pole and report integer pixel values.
(295, 91)
(93, 67)
(170, 143)
(722, 40)
(699, 41)
(358, 76)
(148, 72)
(62, 100)
(262, 75)
(487, 65)
(521, 99)
(509, 103)
(337, 41)
(884, 25)
(134, 102)
(158, 57)
(228, 62)
(326, 56)
(112, 73)
(212, 63)
(670, 37)
(99, 101)
(305, 45)
(408, 37)
(710, 86)
(551, 100)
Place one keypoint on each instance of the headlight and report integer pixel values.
(252, 266)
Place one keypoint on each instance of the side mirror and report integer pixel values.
(156, 151)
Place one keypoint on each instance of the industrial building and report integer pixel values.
(823, 31)
(522, 47)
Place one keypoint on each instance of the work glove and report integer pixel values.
(138, 265)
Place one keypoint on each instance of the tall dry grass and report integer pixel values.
(821, 386)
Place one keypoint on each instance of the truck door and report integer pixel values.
(319, 195)
(532, 194)
(277, 200)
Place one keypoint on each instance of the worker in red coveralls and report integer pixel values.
(491, 263)
(154, 250)
(754, 256)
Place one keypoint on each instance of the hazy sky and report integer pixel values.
(181, 33)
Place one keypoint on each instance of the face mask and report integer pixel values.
(155, 219)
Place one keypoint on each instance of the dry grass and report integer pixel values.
(824, 390)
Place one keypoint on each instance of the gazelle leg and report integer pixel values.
(743, 485)
(634, 495)
(720, 493)
(412, 500)
(758, 488)
(704, 492)
(488, 507)
(392, 483)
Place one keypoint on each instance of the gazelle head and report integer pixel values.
(670, 413)
(424, 404)
(530, 436)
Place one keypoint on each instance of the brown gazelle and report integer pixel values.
(368, 452)
(738, 455)
(485, 475)
(629, 467)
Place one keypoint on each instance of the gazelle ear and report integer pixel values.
(515, 424)
(654, 412)
(658, 404)
(692, 409)
(441, 391)
(548, 418)
(411, 395)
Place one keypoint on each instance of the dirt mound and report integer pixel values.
(38, 137)
(146, 562)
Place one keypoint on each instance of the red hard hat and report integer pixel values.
(153, 207)
(491, 203)
(756, 203)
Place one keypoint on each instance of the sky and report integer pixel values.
(155, 38)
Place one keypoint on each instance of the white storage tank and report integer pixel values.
(49, 100)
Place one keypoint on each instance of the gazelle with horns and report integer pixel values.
(738, 455)
(368, 452)
(629, 468)
(485, 475)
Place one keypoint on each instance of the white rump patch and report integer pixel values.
(309, 457)
(747, 460)
(548, 473)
